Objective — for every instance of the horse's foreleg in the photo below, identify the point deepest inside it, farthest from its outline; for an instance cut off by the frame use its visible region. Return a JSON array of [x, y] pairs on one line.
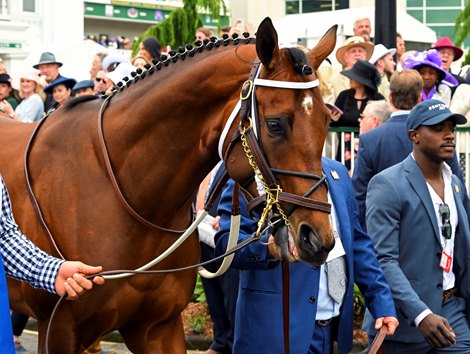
[[161, 338], [61, 339]]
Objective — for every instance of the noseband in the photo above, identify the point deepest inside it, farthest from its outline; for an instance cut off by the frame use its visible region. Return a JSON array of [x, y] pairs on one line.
[[252, 146]]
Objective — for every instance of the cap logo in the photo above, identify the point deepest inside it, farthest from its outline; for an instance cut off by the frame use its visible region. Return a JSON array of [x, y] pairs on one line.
[[439, 106]]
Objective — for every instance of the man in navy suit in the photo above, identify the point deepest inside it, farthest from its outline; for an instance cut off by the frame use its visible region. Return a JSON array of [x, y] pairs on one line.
[[419, 226], [316, 318], [388, 144]]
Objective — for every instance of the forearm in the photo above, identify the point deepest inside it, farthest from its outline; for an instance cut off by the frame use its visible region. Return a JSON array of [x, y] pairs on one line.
[[26, 262]]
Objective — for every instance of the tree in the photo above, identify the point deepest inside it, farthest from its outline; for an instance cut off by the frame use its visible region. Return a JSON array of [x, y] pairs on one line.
[[180, 26], [462, 29]]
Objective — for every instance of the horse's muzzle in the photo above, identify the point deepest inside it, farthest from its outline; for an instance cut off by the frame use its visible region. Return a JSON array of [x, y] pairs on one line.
[[311, 248]]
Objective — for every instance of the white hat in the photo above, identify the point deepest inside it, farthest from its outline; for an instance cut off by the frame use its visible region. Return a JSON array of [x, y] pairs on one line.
[[122, 70], [113, 58], [379, 52]]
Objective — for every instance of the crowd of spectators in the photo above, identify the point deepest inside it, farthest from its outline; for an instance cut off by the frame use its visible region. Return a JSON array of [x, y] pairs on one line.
[[375, 90]]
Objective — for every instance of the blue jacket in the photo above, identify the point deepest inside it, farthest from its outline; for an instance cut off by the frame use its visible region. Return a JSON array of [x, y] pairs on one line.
[[258, 327], [402, 224], [6, 334]]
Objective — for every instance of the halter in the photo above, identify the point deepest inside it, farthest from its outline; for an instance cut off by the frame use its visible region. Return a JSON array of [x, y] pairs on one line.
[[265, 174]]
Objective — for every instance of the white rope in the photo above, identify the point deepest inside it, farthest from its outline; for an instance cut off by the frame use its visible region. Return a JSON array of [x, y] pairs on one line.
[[165, 254], [232, 242]]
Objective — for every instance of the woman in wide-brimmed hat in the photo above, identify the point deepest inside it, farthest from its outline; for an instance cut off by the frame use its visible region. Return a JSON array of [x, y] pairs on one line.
[[31, 107], [437, 81], [448, 53], [61, 90], [364, 80]]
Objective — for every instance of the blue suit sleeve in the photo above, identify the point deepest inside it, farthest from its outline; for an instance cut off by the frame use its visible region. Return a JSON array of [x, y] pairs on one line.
[[362, 174], [253, 256]]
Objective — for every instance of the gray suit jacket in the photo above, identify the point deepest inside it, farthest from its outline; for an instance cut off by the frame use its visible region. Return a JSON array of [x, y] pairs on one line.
[[402, 224]]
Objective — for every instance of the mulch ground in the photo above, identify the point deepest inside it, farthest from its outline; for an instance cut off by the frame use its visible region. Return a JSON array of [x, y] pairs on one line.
[[197, 322]]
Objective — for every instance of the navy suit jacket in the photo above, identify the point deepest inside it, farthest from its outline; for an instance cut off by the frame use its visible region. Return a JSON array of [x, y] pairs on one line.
[[380, 148], [259, 326], [402, 224]]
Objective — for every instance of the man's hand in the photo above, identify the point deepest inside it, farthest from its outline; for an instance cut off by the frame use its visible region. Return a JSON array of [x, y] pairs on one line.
[[437, 331], [215, 223], [390, 322], [71, 279]]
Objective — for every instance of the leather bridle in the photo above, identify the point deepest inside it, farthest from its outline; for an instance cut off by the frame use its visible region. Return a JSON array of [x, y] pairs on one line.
[[247, 133]]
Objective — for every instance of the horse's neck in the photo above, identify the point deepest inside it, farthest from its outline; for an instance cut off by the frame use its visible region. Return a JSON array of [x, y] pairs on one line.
[[169, 127]]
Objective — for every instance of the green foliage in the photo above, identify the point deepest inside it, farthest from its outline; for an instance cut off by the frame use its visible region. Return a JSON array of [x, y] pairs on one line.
[[358, 301], [199, 295], [180, 26], [462, 29], [196, 324]]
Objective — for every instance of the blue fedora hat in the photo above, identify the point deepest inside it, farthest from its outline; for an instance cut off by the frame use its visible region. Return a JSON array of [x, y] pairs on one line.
[[67, 81], [83, 85]]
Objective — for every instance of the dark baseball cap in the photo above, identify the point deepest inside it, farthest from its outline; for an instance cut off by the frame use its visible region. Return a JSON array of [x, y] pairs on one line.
[[432, 112]]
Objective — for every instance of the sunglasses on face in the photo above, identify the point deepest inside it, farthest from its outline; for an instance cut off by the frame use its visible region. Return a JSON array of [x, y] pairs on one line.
[[446, 228], [100, 79]]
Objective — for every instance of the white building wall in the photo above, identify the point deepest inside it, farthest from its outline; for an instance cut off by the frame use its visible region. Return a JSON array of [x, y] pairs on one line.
[[54, 23], [255, 11]]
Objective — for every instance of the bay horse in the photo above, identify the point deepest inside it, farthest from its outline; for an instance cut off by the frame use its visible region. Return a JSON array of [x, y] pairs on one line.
[[162, 131]]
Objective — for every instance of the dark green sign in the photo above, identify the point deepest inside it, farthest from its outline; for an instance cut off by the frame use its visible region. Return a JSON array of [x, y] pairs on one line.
[[10, 45], [142, 12]]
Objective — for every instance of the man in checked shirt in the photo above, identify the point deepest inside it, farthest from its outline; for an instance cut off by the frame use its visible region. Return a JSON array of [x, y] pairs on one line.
[[22, 260]]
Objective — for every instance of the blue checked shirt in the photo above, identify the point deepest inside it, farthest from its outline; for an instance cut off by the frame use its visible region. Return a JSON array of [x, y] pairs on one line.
[[21, 258]]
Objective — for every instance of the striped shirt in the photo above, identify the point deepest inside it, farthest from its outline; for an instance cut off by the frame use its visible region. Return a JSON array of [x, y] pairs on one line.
[[21, 258]]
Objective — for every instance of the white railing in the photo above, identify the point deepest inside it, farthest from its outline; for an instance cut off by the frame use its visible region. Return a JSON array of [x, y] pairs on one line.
[[338, 137]]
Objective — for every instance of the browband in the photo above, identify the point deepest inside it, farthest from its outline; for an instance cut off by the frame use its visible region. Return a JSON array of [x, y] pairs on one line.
[[287, 84]]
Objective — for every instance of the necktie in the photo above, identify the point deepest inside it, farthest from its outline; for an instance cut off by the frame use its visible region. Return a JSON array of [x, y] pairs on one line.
[[336, 279]]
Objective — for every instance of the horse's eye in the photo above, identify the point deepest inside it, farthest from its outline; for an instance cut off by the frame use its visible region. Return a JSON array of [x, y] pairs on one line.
[[274, 126]]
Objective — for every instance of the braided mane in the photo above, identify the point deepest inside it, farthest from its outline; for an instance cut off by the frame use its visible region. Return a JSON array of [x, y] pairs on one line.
[[187, 51]]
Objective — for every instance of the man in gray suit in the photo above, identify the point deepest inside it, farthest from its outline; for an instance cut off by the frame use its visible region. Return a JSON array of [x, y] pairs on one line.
[[417, 221], [388, 144]]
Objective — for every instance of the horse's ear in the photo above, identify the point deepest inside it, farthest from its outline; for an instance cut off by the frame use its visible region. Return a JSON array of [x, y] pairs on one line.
[[267, 43], [323, 48]]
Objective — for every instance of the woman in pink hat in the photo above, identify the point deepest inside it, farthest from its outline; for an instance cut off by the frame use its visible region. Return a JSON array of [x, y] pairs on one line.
[[32, 106]]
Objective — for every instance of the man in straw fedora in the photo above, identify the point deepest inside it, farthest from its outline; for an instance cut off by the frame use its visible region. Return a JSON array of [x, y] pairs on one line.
[[353, 49]]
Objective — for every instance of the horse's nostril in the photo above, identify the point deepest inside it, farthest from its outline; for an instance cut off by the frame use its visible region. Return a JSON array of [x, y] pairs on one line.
[[311, 247], [308, 239]]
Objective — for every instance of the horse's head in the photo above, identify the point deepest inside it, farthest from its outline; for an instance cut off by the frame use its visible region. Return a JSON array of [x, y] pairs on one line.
[[290, 121]]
